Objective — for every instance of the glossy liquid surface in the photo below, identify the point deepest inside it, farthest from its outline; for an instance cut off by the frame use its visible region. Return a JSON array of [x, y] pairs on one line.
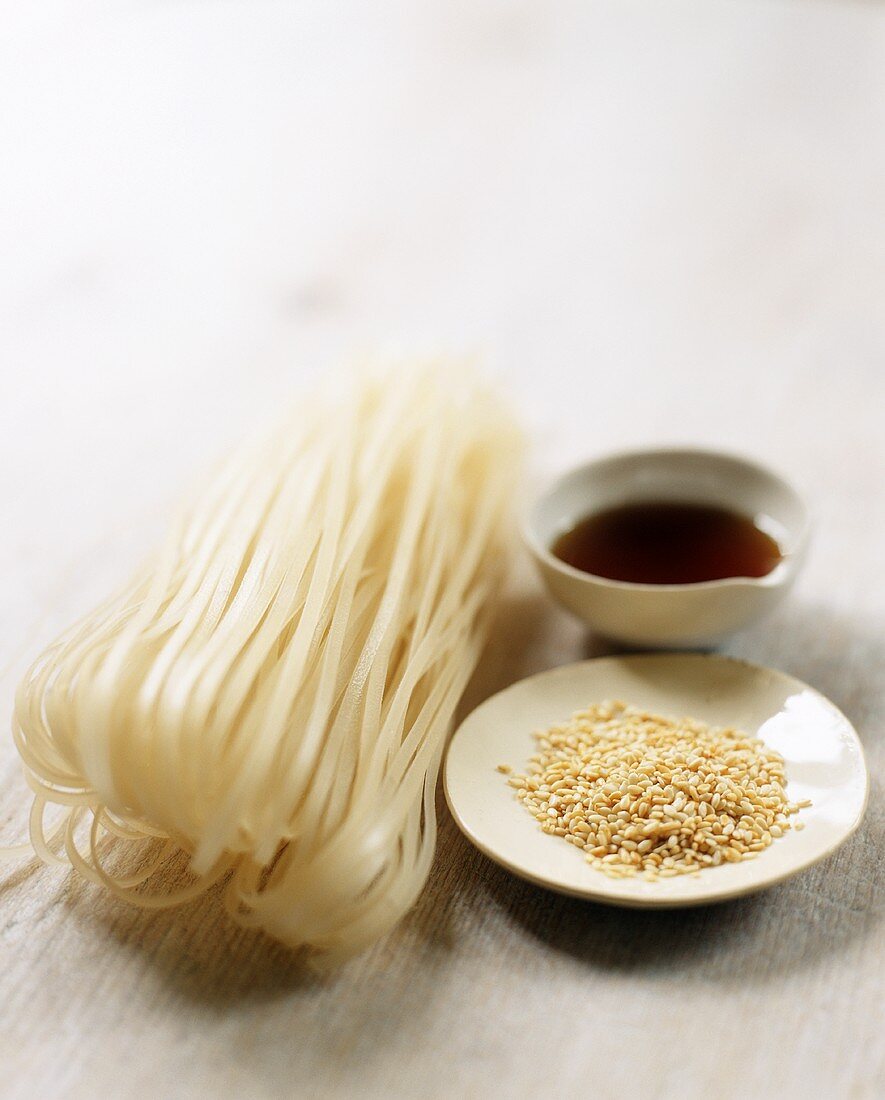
[[668, 543]]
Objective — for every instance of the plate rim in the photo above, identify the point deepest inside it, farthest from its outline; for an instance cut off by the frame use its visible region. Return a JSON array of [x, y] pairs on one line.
[[603, 898]]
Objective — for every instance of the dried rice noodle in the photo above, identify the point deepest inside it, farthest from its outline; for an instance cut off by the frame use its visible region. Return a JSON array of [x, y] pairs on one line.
[[271, 695]]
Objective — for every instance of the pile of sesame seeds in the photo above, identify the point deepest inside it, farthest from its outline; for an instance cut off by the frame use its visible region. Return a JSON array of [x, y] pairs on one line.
[[659, 796]]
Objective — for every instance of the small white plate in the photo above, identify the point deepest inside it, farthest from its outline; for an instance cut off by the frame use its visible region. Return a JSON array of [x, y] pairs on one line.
[[823, 756]]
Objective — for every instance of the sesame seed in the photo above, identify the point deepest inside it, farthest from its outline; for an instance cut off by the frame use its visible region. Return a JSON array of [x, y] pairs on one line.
[[641, 793]]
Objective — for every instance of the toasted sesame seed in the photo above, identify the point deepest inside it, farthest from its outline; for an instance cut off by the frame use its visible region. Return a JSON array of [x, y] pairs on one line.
[[641, 793]]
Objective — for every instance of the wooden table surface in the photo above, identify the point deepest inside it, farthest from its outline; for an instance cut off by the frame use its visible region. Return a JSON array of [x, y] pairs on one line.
[[658, 222]]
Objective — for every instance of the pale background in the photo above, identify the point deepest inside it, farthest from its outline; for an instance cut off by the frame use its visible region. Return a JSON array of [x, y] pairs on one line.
[[658, 221]]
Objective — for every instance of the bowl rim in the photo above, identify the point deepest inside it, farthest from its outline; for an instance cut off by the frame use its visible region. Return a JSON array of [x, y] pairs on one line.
[[781, 573]]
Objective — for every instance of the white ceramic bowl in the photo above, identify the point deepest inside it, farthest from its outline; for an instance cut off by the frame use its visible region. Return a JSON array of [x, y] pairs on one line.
[[669, 615]]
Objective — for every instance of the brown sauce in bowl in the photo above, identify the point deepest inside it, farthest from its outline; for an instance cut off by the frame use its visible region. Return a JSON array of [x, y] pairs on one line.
[[657, 542]]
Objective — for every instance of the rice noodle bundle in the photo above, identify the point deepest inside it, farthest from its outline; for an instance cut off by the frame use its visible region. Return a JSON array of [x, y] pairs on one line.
[[272, 694]]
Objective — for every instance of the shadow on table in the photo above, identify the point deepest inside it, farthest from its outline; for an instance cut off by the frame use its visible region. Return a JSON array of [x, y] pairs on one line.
[[799, 923], [527, 636], [196, 949]]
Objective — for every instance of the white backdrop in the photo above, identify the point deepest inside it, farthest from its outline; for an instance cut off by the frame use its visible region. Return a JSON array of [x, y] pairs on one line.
[[656, 221]]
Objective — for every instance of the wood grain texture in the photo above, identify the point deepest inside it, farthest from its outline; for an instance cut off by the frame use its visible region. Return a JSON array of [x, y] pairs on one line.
[[666, 223]]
